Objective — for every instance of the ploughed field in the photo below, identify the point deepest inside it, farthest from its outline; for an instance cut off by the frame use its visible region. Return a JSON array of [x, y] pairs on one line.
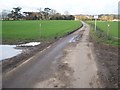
[[32, 30]]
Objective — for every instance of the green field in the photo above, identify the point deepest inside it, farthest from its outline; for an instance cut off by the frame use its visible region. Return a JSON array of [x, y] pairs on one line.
[[101, 25], [102, 28], [14, 31], [113, 27]]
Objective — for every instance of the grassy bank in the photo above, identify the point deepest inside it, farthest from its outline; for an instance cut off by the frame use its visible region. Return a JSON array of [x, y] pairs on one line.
[[100, 35]]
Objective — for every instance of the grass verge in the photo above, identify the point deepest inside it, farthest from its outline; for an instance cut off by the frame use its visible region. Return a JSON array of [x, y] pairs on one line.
[[99, 36]]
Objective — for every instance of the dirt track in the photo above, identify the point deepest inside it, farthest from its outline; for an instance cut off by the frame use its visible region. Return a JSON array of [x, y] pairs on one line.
[[77, 68], [81, 60], [65, 64]]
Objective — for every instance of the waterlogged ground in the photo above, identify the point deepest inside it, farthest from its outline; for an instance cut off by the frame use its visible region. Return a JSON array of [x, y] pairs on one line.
[[8, 51]]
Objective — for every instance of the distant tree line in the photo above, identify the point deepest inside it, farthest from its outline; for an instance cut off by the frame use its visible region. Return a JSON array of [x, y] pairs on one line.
[[101, 17], [45, 14]]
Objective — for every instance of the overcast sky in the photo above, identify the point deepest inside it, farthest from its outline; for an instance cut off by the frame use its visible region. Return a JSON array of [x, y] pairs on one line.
[[72, 6]]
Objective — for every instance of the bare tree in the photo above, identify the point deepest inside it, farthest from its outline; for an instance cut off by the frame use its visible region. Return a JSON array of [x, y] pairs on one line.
[[5, 14], [47, 13], [15, 13], [53, 12], [41, 14], [66, 13]]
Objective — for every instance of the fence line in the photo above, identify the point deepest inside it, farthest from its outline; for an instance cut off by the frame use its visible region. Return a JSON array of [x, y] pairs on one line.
[[102, 31]]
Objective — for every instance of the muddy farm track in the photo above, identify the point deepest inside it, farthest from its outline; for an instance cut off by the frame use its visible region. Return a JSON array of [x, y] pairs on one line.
[[71, 62]]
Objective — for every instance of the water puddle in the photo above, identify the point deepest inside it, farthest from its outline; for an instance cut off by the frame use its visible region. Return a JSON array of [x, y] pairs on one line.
[[8, 51], [74, 39]]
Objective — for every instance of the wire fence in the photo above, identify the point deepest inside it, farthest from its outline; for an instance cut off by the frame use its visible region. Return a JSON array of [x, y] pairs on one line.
[[100, 36]]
